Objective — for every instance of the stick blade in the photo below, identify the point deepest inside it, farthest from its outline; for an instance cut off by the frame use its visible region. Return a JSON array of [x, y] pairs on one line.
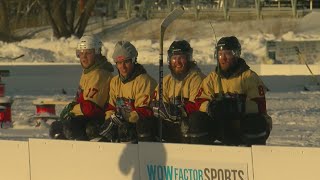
[[312, 87], [172, 16], [18, 57]]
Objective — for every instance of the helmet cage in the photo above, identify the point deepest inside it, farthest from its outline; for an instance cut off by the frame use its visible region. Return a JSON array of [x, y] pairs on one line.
[[179, 52], [235, 52]]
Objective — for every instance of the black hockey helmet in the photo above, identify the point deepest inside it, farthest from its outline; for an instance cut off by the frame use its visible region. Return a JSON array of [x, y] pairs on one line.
[[180, 47], [229, 43]]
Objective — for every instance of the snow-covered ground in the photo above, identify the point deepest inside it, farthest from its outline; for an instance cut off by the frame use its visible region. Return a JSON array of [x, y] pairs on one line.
[[295, 113], [145, 36]]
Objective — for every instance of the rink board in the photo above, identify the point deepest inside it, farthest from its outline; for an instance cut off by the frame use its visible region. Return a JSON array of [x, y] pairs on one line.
[[183, 161], [65, 160], [279, 163], [14, 160], [41, 159]]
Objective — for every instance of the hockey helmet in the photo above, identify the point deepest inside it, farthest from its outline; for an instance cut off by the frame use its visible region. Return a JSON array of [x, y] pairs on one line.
[[89, 42], [180, 47], [124, 50], [229, 43]]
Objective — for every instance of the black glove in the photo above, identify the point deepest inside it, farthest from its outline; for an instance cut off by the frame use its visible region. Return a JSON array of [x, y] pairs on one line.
[[117, 120], [108, 130], [65, 113], [126, 131], [214, 107], [115, 128], [226, 109], [164, 114]]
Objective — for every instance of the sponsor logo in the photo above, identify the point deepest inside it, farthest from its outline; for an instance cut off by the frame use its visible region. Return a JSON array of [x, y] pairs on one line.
[[160, 172]]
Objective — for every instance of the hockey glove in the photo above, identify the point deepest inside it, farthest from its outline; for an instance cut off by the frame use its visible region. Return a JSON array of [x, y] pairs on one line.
[[112, 128], [126, 131], [66, 113], [108, 130], [226, 109], [165, 115], [117, 120]]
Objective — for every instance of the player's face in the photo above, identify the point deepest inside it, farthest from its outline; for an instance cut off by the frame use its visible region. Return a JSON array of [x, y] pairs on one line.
[[226, 59], [178, 63], [125, 67], [87, 58]]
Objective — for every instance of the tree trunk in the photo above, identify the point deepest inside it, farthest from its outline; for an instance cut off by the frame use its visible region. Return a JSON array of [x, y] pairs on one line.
[[62, 13], [84, 17], [4, 22], [46, 6], [71, 12], [60, 17]]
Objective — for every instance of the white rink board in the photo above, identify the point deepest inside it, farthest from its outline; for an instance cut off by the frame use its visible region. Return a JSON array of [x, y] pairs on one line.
[[80, 160], [285, 69], [14, 160], [285, 163], [177, 161]]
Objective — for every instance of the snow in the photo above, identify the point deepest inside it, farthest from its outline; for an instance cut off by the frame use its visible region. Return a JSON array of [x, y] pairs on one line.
[[50, 66], [43, 48]]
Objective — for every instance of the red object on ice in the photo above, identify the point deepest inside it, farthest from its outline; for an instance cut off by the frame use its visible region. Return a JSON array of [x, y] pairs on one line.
[[46, 108], [5, 112]]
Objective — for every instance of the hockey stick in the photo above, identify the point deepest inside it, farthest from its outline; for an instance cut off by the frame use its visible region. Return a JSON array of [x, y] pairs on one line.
[[220, 94], [12, 58], [165, 23], [303, 60]]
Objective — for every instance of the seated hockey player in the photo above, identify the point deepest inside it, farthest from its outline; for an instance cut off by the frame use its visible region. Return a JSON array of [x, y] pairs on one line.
[[128, 115], [234, 96], [80, 120], [180, 87]]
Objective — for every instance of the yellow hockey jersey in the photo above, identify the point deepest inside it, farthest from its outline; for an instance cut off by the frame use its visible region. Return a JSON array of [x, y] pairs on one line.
[[131, 98], [245, 83], [182, 91], [93, 91]]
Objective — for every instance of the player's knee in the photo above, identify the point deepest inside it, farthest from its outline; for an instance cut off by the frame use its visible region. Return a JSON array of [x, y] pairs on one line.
[[196, 129], [146, 129], [56, 130], [92, 130], [255, 129], [74, 129]]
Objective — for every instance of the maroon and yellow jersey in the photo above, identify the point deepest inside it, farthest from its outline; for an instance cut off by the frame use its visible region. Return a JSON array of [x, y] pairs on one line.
[[246, 84], [93, 91], [131, 98], [182, 91]]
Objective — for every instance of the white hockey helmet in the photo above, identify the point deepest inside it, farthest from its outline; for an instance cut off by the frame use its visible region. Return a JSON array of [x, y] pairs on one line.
[[89, 42]]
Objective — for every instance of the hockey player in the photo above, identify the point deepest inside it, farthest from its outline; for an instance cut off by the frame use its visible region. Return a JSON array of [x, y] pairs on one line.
[[234, 96], [180, 88], [128, 115], [81, 119]]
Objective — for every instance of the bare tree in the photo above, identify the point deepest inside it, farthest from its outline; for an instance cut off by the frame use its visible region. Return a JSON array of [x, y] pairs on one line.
[[4, 22], [63, 18]]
